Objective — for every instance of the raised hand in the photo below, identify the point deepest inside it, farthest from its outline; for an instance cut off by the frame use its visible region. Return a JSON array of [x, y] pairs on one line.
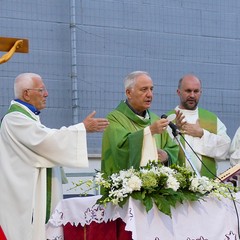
[[95, 124], [159, 126], [180, 119]]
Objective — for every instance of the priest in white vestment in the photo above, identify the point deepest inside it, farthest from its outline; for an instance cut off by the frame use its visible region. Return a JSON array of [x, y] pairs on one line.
[[28, 149], [234, 151], [206, 135]]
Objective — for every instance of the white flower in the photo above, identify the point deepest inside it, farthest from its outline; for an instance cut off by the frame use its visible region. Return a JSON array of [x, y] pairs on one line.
[[117, 194], [202, 185], [155, 179], [126, 173], [99, 178], [194, 184], [134, 183], [166, 170], [115, 201], [173, 183]]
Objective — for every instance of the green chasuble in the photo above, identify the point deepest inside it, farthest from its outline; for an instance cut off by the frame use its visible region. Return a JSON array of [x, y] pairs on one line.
[[123, 140], [208, 121]]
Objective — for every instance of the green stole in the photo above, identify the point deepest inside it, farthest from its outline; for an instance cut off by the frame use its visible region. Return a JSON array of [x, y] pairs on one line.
[[121, 144], [16, 108], [208, 121]]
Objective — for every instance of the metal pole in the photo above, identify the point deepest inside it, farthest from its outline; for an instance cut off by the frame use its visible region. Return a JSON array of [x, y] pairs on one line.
[[75, 99], [188, 158]]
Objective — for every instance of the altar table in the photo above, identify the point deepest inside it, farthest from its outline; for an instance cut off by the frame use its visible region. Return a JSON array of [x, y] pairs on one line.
[[81, 218]]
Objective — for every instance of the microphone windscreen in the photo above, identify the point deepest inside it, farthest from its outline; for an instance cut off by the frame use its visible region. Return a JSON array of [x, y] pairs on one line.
[[170, 118]]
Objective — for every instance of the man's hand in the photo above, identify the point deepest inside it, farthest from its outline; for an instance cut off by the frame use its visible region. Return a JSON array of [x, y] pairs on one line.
[[159, 126], [192, 129], [162, 156], [95, 124], [180, 119]]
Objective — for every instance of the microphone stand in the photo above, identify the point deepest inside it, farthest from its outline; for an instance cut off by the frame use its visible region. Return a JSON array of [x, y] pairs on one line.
[[175, 133]]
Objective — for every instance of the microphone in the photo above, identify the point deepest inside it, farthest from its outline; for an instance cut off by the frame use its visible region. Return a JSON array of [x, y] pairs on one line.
[[175, 130]]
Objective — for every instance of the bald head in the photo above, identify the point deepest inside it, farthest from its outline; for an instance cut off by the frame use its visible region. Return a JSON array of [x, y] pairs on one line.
[[189, 91], [189, 78]]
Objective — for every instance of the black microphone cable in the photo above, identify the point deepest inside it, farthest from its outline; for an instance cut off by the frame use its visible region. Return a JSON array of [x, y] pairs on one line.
[[234, 202], [199, 157], [175, 132]]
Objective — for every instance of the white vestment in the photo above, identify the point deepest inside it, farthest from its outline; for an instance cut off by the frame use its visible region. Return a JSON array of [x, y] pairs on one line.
[[234, 151], [27, 149], [149, 149], [212, 145]]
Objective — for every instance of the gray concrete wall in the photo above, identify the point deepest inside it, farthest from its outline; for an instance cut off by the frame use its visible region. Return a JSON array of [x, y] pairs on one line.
[[167, 38]]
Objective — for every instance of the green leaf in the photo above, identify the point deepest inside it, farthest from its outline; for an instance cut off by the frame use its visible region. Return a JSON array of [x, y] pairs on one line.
[[121, 204], [189, 196], [101, 200], [137, 195], [153, 187], [163, 205], [148, 203]]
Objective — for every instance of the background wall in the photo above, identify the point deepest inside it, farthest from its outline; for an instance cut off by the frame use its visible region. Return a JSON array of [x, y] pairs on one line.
[[83, 49]]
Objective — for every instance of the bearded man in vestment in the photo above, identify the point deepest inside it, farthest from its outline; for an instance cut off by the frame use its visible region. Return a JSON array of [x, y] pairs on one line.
[[205, 134], [136, 135], [30, 186]]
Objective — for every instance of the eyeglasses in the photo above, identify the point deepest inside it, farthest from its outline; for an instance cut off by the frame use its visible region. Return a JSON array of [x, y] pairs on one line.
[[40, 90]]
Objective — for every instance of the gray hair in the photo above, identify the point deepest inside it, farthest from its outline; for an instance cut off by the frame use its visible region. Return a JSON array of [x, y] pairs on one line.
[[22, 82], [130, 79]]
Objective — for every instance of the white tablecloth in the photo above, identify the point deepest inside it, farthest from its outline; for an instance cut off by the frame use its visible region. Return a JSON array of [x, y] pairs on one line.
[[210, 219]]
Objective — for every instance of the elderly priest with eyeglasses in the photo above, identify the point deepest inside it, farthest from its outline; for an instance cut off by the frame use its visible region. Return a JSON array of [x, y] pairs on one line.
[[30, 186]]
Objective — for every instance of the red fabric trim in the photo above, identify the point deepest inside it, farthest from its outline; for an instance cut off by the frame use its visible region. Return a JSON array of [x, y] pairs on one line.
[[112, 230], [2, 235]]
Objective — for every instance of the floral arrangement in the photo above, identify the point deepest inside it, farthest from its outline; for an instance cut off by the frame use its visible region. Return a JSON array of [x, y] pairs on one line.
[[164, 186], [158, 184]]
